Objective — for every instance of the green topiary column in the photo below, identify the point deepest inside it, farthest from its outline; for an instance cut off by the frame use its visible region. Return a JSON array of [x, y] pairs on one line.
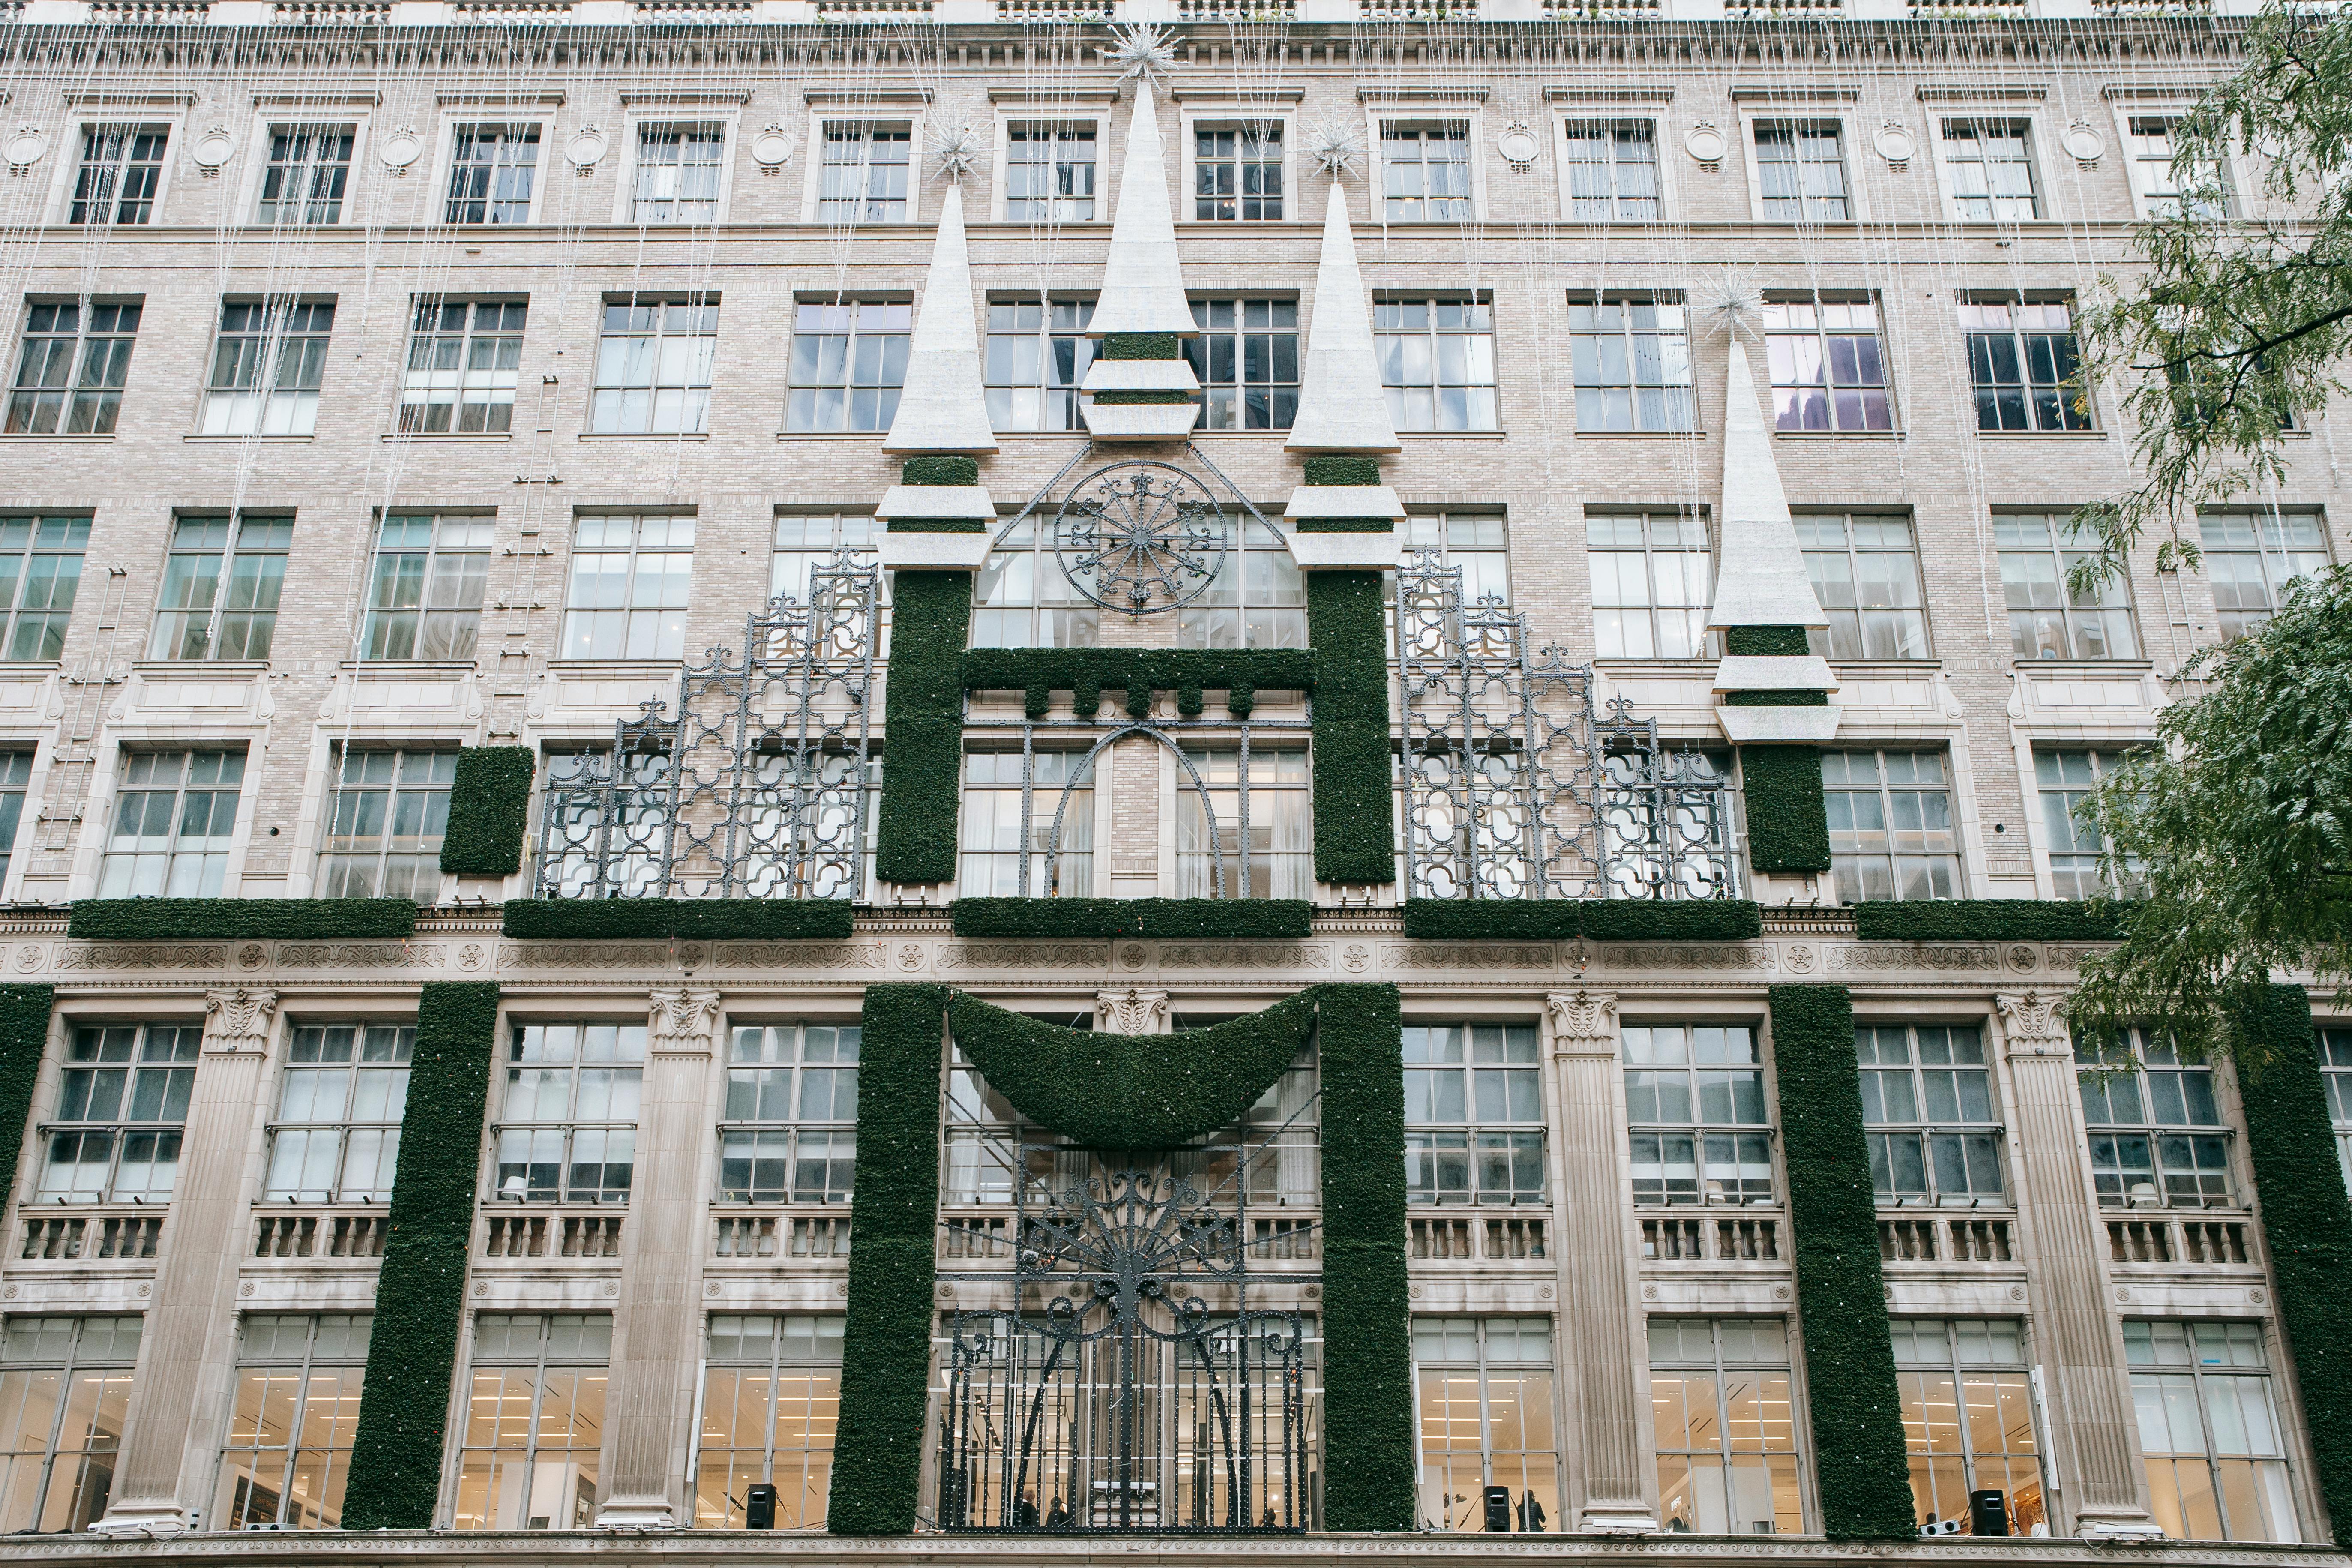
[[2306, 1221], [420, 1291], [886, 1354], [1788, 821], [923, 730], [24, 1036], [489, 812], [1850, 1386], [1355, 790], [1367, 1435]]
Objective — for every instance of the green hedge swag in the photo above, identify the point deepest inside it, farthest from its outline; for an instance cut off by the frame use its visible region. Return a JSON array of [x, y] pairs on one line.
[[1122, 1094]]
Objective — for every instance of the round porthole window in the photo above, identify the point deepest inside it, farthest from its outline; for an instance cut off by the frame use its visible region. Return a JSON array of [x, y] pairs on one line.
[[773, 147]]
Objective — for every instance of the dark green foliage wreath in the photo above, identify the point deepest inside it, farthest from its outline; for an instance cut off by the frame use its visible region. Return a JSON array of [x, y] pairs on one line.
[[1855, 1402], [663, 920], [238, 920], [489, 812]]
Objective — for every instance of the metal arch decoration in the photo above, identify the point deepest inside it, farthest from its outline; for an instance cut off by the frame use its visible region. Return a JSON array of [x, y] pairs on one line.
[[759, 785], [1141, 537], [1515, 789]]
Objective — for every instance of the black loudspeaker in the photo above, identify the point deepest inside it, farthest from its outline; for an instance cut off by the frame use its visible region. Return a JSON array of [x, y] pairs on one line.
[[760, 1506], [1988, 1513], [1498, 1508]]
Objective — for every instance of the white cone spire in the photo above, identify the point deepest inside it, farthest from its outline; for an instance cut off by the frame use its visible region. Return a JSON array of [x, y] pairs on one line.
[[1761, 581], [1143, 287], [1341, 406], [943, 407]]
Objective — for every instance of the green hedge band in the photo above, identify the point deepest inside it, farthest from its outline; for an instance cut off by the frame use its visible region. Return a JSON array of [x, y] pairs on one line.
[[1989, 920], [239, 919], [1563, 920], [1106, 919], [1354, 782], [1342, 469], [922, 766], [1766, 642], [664, 920], [24, 1038], [1788, 820], [489, 812], [957, 473], [420, 1292]]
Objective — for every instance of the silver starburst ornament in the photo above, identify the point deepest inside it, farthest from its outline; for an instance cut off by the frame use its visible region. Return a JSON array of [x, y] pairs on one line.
[[1335, 149], [954, 149], [1731, 302], [1140, 49]]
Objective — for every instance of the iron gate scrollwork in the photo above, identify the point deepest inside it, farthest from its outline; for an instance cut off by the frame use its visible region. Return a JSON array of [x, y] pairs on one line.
[[759, 785], [1110, 1396]]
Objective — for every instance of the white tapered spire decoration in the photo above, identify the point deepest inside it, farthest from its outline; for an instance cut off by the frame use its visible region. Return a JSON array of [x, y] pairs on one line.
[[1342, 404], [1761, 581], [943, 407], [1143, 286]]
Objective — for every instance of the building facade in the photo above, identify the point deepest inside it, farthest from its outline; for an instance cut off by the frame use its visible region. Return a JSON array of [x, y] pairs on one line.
[[1677, 399]]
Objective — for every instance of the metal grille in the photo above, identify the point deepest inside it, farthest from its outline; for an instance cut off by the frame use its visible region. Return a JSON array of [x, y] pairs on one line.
[[759, 786], [1513, 789]]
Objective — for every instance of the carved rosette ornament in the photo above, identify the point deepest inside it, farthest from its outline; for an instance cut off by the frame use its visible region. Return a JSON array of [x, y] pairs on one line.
[[1583, 1023], [2034, 1025], [1132, 1012], [240, 1020], [682, 1020]]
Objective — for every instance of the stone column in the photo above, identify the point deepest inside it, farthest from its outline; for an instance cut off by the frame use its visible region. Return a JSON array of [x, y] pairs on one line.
[[187, 1346], [658, 1323], [2078, 1341], [1594, 1244]]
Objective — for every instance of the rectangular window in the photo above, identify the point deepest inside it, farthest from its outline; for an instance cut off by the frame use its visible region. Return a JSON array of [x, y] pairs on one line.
[[1427, 170], [788, 1133], [2065, 780], [1694, 1102], [2251, 556], [1257, 600], [866, 174], [2047, 619], [1726, 1427], [462, 360], [15, 773], [2025, 364], [424, 593], [65, 1389], [175, 817], [1485, 1411], [221, 587], [629, 581], [120, 171], [806, 541], [1891, 827], [290, 1434], [1631, 360], [2335, 1062], [653, 367], [583, 853], [1865, 573], [849, 365], [534, 1421], [983, 1137], [1037, 354], [387, 814], [1049, 172], [570, 1128], [73, 361], [1473, 541], [302, 183], [1989, 165], [336, 1138], [1280, 838], [1650, 575], [1967, 1418], [771, 1400], [491, 171], [1237, 173], [2209, 1430], [1613, 171], [2157, 1133], [678, 171], [2163, 189], [1926, 1102], [122, 1100], [1246, 358], [1437, 362], [40, 571], [1828, 364], [1060, 787], [1474, 1114], [1023, 599], [1801, 170], [266, 367]]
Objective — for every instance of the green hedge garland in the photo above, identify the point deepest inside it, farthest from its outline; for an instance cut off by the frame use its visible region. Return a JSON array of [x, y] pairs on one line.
[[1563, 919], [922, 765], [1105, 1091], [1104, 919], [1766, 642], [1087, 672], [489, 812], [24, 1036], [1354, 784], [1368, 1462], [877, 1461], [1788, 822], [954, 473], [420, 1293], [1342, 471], [1138, 345], [239, 919], [664, 920], [2306, 1220], [1989, 920], [1855, 1402]]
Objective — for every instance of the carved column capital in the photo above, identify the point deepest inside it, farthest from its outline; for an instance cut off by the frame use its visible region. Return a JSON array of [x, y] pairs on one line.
[[240, 1020], [1583, 1023], [2033, 1025], [681, 1020], [1132, 1012]]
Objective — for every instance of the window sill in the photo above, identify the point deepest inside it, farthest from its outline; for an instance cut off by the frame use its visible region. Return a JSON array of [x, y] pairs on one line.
[[2084, 666], [1839, 435], [645, 436], [205, 668], [397, 666], [614, 668], [446, 435], [878, 435], [1638, 434], [1455, 435], [289, 439], [2042, 435], [31, 436]]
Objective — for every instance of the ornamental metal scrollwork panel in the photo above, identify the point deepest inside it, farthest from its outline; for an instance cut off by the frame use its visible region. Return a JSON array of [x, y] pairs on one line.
[[759, 786], [1515, 789], [1141, 537]]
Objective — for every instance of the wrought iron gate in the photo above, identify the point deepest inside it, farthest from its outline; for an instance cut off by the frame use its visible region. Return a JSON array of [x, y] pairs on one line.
[[1111, 1396]]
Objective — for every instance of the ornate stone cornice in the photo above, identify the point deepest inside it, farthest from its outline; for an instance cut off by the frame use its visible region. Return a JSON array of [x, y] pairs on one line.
[[240, 1020]]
